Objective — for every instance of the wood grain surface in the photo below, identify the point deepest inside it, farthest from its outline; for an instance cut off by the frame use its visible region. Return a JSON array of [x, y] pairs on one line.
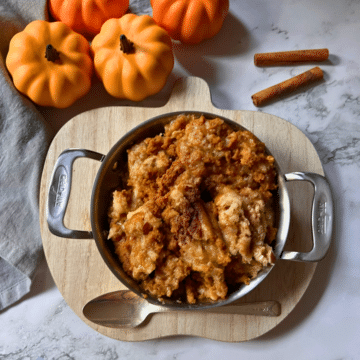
[[77, 267]]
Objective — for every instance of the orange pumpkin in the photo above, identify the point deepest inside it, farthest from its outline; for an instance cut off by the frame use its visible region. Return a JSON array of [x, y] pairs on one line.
[[190, 21], [132, 56], [50, 63], [87, 16]]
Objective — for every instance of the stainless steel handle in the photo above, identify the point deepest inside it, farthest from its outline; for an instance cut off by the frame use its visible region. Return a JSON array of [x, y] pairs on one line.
[[59, 193], [321, 217]]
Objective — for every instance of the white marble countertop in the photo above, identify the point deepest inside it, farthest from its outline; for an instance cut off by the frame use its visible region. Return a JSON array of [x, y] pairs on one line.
[[326, 322]]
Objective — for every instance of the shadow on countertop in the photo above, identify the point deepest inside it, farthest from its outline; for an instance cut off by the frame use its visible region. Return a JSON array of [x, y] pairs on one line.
[[316, 289], [42, 283]]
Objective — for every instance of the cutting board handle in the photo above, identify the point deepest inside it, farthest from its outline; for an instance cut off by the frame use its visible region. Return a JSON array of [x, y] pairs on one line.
[[190, 93], [59, 193]]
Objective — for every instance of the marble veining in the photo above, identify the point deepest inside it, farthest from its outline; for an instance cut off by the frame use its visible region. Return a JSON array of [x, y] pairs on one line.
[[278, 31], [326, 323]]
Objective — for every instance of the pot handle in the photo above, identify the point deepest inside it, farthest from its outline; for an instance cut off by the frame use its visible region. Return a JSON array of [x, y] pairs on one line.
[[321, 217], [59, 192]]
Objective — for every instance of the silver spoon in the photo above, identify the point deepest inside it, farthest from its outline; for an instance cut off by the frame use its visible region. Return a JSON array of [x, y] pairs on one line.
[[126, 309]]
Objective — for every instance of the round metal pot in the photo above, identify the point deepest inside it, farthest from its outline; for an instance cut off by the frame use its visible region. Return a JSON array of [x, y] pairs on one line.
[[107, 180]]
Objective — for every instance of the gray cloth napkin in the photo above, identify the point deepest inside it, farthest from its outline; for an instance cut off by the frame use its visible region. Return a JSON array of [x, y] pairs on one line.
[[24, 140]]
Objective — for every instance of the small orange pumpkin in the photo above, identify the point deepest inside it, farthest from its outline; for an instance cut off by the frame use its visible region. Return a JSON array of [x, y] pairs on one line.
[[132, 56], [50, 63], [190, 21], [87, 16]]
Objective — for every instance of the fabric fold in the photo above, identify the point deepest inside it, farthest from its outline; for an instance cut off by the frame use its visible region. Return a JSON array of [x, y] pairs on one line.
[[24, 139]]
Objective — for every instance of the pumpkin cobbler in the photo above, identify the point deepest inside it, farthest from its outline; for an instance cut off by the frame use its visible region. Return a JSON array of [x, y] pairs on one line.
[[196, 217]]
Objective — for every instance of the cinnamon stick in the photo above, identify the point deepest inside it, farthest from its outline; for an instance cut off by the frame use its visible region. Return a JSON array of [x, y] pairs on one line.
[[287, 86], [290, 57]]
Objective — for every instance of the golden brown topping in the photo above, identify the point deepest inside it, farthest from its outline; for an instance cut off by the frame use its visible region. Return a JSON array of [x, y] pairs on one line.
[[196, 215]]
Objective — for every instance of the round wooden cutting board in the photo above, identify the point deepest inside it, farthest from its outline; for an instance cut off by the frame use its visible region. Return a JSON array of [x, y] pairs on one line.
[[77, 267]]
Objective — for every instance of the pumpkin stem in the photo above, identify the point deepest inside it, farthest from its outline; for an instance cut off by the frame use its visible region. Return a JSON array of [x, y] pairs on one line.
[[51, 53], [126, 45]]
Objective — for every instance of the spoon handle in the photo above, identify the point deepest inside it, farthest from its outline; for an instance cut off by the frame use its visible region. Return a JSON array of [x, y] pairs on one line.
[[262, 308]]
